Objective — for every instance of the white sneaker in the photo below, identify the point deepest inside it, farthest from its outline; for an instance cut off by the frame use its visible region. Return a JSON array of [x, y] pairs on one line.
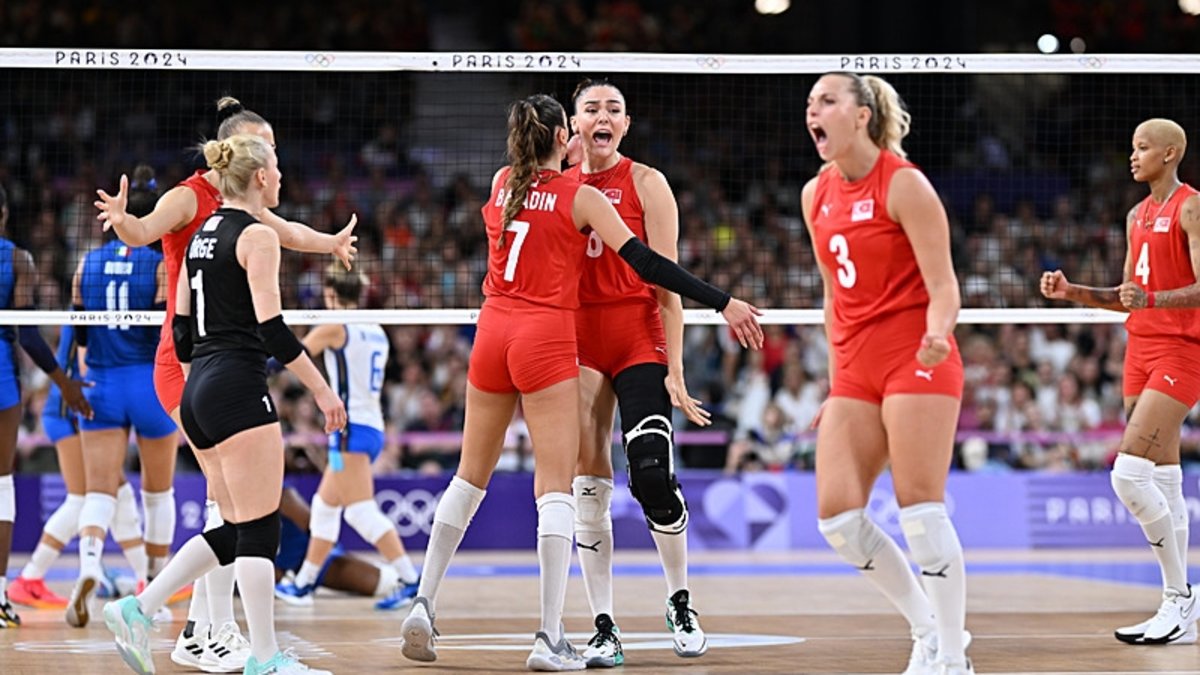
[[1175, 616], [163, 615], [227, 651], [557, 658], [418, 632], [78, 611], [964, 668], [283, 663], [689, 639], [604, 649], [189, 649], [924, 657]]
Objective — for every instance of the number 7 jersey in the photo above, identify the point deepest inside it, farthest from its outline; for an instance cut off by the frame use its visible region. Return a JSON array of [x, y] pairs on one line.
[[542, 254], [1161, 262], [873, 272]]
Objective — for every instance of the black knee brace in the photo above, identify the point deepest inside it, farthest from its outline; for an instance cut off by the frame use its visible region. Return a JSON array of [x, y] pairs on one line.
[[223, 541], [646, 427], [259, 538]]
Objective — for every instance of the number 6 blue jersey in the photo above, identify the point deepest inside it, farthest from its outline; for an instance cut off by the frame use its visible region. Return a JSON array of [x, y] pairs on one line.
[[356, 373], [117, 278]]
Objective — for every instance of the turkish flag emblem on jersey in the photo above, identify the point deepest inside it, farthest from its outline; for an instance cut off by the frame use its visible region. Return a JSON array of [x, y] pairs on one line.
[[862, 210], [1162, 224], [613, 194]]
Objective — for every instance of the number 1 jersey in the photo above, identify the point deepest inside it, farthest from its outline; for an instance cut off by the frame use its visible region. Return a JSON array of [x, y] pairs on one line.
[[222, 309], [873, 272], [542, 253], [1161, 262]]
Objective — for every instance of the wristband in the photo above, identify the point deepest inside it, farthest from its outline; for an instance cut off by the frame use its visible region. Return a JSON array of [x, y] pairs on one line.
[[1150, 300]]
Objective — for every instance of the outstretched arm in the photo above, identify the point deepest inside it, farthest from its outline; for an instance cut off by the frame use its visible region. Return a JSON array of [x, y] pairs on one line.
[[1054, 285], [174, 210], [300, 237]]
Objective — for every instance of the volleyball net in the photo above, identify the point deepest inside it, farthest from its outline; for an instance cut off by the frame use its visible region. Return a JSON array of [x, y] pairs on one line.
[[1029, 152]]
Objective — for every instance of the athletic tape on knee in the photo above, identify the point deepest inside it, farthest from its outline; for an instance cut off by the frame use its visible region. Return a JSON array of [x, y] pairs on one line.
[[556, 515], [259, 538], [593, 503], [458, 504], [223, 541], [8, 499], [160, 516], [1133, 481], [212, 515], [855, 537], [1169, 479], [63, 524], [325, 522], [368, 521], [126, 524], [931, 537], [98, 510]]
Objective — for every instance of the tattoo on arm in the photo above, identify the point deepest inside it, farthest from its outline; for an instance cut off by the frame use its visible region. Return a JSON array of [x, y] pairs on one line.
[[1104, 298]]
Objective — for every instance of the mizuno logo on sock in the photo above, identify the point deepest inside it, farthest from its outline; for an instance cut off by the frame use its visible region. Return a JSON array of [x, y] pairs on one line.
[[869, 566], [594, 548], [589, 492], [939, 573], [1157, 544]]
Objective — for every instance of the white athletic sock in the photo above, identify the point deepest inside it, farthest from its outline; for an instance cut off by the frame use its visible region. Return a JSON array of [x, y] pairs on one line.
[[388, 578], [219, 589], [307, 576], [91, 551], [136, 556], [556, 521], [98, 510], [672, 551], [194, 559], [1133, 481], [936, 550], [198, 607], [405, 569], [256, 579], [41, 560], [1169, 479], [594, 540], [454, 511]]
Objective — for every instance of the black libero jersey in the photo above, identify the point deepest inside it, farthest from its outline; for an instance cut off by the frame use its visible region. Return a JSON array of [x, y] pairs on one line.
[[222, 310]]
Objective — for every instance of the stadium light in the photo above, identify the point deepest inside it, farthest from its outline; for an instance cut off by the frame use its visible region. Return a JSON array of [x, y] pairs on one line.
[[1047, 44], [772, 6], [1190, 6]]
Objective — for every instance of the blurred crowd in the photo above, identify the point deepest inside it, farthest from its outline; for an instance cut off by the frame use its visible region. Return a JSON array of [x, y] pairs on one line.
[[1032, 182]]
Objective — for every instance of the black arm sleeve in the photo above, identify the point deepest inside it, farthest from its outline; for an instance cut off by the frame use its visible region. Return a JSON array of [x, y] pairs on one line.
[[662, 272], [181, 331], [81, 335], [37, 349], [280, 341]]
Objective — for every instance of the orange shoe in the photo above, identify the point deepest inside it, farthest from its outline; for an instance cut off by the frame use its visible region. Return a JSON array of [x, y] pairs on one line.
[[33, 593], [180, 595]]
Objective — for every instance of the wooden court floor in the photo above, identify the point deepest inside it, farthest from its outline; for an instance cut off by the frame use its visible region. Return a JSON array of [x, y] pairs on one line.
[[764, 613]]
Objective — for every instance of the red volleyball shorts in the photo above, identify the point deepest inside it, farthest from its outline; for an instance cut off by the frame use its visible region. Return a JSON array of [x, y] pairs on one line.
[[883, 361], [522, 346], [1168, 364], [617, 335], [168, 377]]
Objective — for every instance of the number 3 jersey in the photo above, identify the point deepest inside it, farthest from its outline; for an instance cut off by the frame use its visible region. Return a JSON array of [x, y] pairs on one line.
[[1159, 246], [222, 309], [542, 252], [356, 372], [873, 272], [117, 278]]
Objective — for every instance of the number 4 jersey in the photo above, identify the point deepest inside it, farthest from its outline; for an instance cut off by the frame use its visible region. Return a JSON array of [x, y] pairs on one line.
[[873, 272], [1159, 247], [222, 310], [539, 255]]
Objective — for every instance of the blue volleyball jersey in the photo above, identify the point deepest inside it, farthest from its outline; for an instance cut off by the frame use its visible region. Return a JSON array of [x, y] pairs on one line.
[[119, 278], [8, 283], [68, 361]]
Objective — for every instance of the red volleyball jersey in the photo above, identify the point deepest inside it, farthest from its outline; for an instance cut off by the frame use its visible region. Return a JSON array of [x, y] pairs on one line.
[[606, 277], [873, 271], [208, 200], [1161, 262], [542, 253]]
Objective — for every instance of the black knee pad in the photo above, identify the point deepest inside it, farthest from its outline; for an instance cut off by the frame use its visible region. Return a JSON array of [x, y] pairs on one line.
[[259, 538], [646, 428], [223, 541]]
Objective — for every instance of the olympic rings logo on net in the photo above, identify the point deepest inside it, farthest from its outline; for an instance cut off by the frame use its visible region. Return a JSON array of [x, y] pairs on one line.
[[412, 512], [710, 62], [320, 60]]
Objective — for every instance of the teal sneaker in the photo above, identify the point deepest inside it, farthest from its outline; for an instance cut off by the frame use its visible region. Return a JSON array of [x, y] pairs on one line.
[[283, 663], [132, 628]]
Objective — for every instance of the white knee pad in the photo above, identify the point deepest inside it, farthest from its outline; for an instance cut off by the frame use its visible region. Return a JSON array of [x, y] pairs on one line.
[[593, 503], [63, 524], [368, 521], [126, 524], [1169, 479], [8, 499], [98, 511], [458, 504], [855, 537], [212, 515], [556, 514], [931, 537], [160, 516], [325, 521], [1133, 481]]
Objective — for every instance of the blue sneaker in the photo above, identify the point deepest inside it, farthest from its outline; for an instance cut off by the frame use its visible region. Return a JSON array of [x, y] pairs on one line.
[[401, 597], [283, 663], [132, 628], [297, 596]]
